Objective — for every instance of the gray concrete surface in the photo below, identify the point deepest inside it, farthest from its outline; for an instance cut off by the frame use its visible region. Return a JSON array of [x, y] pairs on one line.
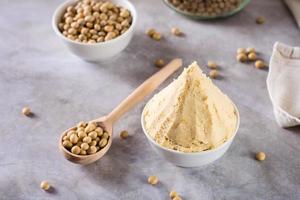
[[36, 70]]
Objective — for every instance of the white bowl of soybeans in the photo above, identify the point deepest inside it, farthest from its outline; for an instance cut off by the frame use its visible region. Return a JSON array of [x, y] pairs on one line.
[[95, 30]]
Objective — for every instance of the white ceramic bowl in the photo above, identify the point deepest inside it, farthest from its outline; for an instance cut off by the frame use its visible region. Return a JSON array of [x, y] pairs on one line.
[[96, 51], [194, 159]]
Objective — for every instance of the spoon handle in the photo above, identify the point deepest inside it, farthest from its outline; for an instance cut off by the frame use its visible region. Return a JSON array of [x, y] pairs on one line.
[[144, 89]]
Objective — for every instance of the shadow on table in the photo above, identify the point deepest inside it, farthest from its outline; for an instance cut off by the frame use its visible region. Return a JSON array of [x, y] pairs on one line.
[[125, 168], [295, 129], [139, 64], [114, 169]]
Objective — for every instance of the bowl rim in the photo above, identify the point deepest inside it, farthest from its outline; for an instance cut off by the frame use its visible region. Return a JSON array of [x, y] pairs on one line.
[[201, 17], [67, 3], [193, 153]]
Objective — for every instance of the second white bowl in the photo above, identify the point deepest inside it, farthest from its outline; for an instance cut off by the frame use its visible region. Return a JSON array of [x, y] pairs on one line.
[[194, 159], [96, 51]]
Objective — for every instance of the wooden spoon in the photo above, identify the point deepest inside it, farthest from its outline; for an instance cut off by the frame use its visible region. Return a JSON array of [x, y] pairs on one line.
[[107, 121]]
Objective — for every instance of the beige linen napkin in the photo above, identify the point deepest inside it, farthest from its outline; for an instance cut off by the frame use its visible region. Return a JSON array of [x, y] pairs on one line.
[[294, 6], [284, 84]]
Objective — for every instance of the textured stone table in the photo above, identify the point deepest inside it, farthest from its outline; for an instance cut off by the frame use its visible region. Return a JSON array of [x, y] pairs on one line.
[[61, 89]]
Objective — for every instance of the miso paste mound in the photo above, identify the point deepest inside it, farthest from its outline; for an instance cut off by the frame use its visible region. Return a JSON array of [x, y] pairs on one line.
[[191, 114]]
